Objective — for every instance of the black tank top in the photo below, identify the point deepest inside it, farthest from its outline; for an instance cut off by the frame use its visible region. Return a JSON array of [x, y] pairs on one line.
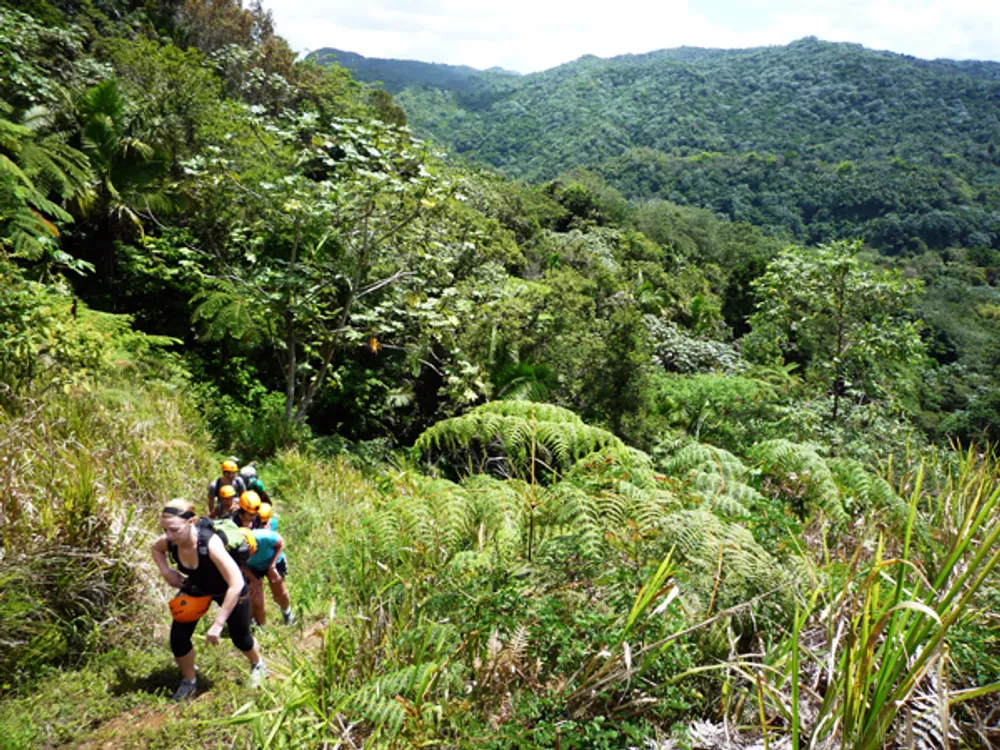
[[206, 579]]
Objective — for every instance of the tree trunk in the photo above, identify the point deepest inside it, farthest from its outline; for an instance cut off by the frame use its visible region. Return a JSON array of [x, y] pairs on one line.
[[291, 360], [838, 378]]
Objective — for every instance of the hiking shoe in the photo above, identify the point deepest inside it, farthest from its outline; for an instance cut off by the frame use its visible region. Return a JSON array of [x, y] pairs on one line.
[[289, 617], [186, 690], [258, 673]]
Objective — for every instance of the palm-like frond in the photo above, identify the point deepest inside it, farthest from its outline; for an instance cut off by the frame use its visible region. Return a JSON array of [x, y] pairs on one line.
[[33, 168], [516, 431], [224, 313], [802, 474]]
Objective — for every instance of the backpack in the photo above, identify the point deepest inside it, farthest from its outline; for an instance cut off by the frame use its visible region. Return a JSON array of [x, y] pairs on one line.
[[239, 542]]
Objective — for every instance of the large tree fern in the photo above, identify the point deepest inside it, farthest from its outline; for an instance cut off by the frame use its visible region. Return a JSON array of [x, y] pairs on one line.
[[514, 439], [799, 473]]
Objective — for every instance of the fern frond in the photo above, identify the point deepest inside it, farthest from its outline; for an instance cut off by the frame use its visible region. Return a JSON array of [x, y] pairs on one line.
[[704, 457], [223, 312], [541, 412], [799, 472], [701, 541], [517, 431], [726, 496], [864, 491]]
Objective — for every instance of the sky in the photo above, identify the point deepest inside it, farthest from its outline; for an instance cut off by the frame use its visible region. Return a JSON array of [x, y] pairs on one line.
[[531, 35]]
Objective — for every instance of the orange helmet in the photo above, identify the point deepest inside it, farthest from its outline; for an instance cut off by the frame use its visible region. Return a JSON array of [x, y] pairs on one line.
[[187, 608], [250, 502], [226, 492], [230, 465], [265, 512]]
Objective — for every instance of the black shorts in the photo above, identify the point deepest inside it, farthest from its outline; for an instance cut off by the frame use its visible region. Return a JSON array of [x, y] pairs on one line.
[[281, 567], [238, 622]]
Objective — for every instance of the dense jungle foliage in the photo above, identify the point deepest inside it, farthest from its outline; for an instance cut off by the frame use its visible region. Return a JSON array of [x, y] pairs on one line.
[[396, 75], [556, 468], [820, 140]]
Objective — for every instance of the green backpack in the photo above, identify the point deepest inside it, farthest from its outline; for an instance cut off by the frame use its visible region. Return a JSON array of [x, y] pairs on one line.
[[240, 542]]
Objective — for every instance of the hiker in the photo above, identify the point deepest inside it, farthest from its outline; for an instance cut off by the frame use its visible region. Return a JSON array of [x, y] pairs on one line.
[[225, 506], [205, 572], [229, 477], [268, 518], [248, 510], [252, 481], [269, 560], [275, 576]]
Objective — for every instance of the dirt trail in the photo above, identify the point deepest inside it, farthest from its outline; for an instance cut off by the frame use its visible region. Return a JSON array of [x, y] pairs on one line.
[[137, 726]]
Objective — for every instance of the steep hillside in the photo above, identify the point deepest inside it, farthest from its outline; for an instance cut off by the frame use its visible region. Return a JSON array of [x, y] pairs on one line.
[[396, 75], [831, 101], [554, 468], [818, 141]]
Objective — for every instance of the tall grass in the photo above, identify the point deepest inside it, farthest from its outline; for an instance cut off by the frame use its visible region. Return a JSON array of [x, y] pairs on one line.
[[867, 662], [82, 473]]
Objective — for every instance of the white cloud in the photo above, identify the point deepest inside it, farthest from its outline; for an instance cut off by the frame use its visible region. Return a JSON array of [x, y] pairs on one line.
[[528, 35]]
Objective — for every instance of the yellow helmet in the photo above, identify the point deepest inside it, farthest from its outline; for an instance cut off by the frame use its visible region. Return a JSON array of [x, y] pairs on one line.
[[226, 492], [266, 511], [229, 465], [250, 502]]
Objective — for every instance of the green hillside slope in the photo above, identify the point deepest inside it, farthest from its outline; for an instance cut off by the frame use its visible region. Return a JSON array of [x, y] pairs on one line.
[[818, 140], [832, 101], [396, 75]]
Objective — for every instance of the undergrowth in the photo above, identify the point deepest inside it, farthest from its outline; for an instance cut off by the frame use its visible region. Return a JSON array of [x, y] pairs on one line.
[[583, 599], [83, 471]]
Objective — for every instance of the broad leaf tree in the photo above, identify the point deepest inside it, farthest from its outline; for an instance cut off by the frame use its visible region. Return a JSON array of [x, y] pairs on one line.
[[848, 323], [327, 247]]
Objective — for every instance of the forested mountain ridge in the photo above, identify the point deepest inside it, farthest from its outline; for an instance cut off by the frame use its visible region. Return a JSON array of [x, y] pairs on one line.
[[815, 140], [396, 75], [827, 100]]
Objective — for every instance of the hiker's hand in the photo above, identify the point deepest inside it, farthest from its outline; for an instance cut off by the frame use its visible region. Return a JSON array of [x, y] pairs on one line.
[[212, 636]]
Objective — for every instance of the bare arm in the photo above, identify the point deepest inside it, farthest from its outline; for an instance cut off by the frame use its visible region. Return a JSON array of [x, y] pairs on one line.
[[171, 576], [278, 549]]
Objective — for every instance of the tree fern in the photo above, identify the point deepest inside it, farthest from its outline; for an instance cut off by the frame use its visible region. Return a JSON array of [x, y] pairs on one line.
[[223, 313], [504, 436], [497, 511], [527, 410], [715, 476], [864, 491], [799, 473], [34, 168], [721, 560], [704, 457], [611, 495]]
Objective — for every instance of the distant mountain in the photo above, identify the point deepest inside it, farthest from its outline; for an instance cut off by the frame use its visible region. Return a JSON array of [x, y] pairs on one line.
[[396, 75], [831, 101], [815, 139]]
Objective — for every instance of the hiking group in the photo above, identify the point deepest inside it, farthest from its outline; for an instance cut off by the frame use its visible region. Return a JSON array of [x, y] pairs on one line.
[[222, 557]]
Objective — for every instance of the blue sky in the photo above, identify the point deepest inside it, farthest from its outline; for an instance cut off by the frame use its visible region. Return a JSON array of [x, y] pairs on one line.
[[530, 35]]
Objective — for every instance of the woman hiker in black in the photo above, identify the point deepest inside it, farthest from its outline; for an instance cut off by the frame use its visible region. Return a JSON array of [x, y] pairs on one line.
[[205, 571]]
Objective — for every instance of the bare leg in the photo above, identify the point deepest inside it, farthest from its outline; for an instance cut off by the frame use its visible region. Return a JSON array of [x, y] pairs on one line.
[[279, 591], [257, 606], [253, 655], [186, 664]]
